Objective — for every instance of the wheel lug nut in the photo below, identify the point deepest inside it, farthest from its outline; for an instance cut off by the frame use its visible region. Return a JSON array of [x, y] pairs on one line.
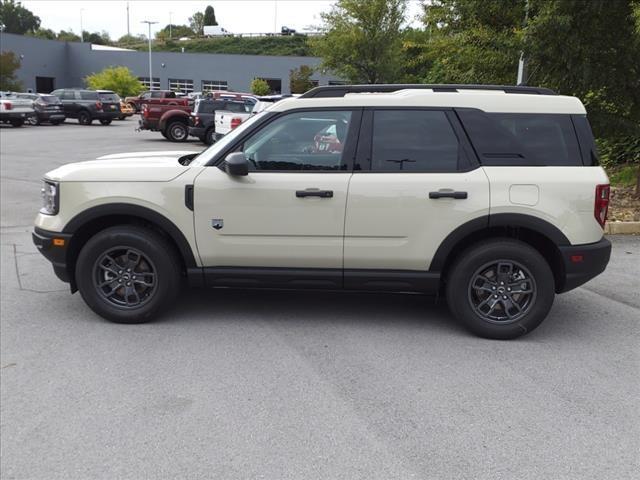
[[129, 284], [501, 283], [509, 289], [493, 288], [133, 277], [504, 297], [495, 296], [120, 272]]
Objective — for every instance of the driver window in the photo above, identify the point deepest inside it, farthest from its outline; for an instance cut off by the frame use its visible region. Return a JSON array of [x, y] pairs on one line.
[[311, 141]]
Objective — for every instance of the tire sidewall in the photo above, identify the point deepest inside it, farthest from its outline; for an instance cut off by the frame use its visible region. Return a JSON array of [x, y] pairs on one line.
[[209, 136], [84, 118], [474, 258], [149, 243], [176, 125]]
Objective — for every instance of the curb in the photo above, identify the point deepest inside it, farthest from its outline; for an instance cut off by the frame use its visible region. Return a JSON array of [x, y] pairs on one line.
[[622, 228]]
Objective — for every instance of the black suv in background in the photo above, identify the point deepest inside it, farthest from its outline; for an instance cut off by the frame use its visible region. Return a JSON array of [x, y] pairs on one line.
[[202, 120], [47, 108], [87, 106]]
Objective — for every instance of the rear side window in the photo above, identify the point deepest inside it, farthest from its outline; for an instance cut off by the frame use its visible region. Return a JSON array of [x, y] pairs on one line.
[[522, 138], [109, 97], [413, 141], [86, 95]]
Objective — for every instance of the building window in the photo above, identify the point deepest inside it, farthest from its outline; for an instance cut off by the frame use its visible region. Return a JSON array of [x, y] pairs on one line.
[[147, 84], [209, 85], [181, 85]]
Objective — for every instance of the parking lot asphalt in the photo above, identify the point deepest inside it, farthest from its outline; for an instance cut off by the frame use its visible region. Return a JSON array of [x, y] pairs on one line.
[[279, 385]]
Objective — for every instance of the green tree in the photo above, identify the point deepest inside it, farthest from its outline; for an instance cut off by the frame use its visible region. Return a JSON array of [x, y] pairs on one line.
[[300, 79], [118, 79], [46, 33], [197, 23], [69, 36], [99, 38], [260, 87], [210, 16], [177, 31], [130, 39], [362, 40], [16, 18], [9, 64]]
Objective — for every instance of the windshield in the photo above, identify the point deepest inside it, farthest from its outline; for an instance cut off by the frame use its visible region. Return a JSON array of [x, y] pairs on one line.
[[204, 157]]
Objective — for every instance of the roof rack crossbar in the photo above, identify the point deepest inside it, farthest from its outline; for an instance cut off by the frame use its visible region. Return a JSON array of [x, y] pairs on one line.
[[342, 90]]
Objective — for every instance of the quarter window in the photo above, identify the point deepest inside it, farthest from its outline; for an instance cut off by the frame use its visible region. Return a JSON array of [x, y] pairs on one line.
[[309, 141], [413, 141]]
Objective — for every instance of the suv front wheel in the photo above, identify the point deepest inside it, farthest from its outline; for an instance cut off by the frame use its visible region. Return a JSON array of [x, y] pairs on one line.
[[128, 274], [500, 288]]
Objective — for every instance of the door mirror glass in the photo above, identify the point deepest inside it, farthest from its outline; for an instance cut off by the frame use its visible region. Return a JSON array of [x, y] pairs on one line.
[[236, 164]]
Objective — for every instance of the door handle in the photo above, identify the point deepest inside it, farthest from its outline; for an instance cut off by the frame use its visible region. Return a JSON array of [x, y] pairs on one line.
[[448, 194], [314, 193]]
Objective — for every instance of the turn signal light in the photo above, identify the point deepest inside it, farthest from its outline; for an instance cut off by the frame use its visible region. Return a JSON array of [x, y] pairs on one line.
[[58, 242]]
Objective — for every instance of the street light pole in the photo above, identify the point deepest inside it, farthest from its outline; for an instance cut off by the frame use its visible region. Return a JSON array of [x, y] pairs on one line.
[[149, 23], [170, 25], [81, 30]]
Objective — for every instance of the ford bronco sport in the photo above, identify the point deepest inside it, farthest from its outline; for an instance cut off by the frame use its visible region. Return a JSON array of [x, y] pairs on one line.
[[490, 195]]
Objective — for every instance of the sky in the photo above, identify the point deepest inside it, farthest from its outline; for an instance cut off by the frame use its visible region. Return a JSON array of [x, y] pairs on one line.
[[237, 16]]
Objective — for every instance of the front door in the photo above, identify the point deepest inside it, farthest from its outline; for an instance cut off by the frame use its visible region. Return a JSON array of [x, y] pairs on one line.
[[288, 212]]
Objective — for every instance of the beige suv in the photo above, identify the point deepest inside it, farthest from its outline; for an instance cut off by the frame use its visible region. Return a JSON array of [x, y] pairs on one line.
[[489, 195]]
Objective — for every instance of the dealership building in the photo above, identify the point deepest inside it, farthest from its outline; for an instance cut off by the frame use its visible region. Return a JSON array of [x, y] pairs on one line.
[[46, 65]]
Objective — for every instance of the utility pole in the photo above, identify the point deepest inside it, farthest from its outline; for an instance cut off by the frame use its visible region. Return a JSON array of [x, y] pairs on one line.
[[275, 16], [81, 30], [522, 63], [128, 31], [170, 25], [149, 23]]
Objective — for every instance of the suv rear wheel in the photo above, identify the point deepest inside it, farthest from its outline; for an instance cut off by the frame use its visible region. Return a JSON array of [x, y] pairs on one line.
[[177, 131], [84, 118], [500, 289], [106, 121], [128, 274]]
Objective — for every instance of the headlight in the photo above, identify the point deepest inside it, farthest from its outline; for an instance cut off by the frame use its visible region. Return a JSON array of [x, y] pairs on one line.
[[50, 198]]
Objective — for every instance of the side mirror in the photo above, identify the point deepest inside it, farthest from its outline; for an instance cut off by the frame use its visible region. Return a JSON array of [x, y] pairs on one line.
[[236, 164]]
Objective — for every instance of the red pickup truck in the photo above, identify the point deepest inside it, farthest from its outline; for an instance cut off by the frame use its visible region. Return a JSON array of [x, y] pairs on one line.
[[172, 121], [155, 97]]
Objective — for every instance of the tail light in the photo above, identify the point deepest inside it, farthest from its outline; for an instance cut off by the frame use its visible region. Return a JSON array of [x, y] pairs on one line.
[[145, 111], [99, 105], [8, 106], [235, 122], [196, 120], [601, 206]]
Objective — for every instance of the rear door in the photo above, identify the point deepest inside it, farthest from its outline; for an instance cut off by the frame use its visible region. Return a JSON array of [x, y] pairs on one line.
[[415, 181], [289, 210]]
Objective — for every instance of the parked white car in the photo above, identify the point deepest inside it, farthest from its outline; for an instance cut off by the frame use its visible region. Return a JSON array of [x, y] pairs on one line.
[[15, 110], [215, 31], [489, 195]]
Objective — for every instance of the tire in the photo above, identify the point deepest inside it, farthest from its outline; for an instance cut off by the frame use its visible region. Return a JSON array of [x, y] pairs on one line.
[[33, 120], [177, 131], [492, 309], [164, 134], [84, 118], [106, 121], [209, 136], [17, 123], [56, 122], [133, 106], [111, 291]]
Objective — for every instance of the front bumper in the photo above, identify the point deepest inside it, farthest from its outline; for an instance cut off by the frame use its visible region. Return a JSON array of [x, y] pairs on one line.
[[54, 246], [583, 262]]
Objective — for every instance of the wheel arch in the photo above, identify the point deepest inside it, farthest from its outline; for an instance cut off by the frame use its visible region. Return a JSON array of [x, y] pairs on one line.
[[93, 220], [536, 232], [173, 116]]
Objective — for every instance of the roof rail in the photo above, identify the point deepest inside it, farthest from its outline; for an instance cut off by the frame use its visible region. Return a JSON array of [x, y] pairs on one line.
[[342, 90]]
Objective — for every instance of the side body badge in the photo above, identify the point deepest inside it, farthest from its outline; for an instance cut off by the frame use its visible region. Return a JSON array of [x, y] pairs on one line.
[[217, 223]]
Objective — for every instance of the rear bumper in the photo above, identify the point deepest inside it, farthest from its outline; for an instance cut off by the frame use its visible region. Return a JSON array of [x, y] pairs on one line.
[[7, 116], [197, 131], [583, 262], [145, 124], [47, 116], [107, 115], [55, 252]]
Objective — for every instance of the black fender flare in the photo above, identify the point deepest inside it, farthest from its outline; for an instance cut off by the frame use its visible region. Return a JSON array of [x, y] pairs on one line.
[[135, 211], [172, 115], [487, 222]]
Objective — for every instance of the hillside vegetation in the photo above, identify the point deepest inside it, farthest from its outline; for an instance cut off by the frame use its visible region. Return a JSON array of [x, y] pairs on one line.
[[297, 45]]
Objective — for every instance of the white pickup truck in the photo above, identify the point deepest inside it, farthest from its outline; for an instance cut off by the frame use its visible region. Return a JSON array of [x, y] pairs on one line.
[[230, 118], [14, 110]]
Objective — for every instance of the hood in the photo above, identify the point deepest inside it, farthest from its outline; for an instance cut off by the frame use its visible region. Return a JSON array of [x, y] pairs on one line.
[[124, 167]]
